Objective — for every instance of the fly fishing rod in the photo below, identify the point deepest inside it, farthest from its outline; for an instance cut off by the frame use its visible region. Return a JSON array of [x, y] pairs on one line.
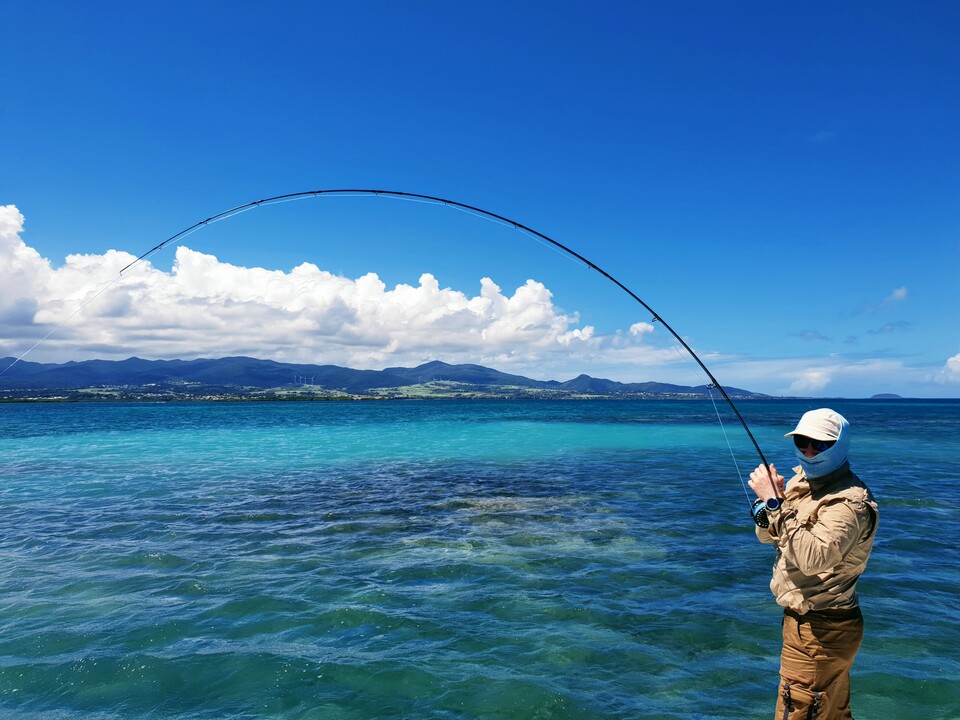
[[656, 317]]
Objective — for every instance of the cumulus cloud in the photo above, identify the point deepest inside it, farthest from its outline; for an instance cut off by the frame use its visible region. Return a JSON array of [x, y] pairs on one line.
[[810, 382], [22, 269], [205, 307], [641, 328], [951, 370]]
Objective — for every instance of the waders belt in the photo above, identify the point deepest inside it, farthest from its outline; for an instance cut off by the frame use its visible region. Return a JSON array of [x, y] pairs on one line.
[[827, 614]]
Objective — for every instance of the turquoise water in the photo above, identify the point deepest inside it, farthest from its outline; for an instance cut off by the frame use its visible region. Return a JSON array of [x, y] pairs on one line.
[[501, 560]]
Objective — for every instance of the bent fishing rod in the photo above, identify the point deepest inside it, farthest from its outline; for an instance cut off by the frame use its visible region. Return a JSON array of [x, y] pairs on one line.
[[656, 317], [486, 214]]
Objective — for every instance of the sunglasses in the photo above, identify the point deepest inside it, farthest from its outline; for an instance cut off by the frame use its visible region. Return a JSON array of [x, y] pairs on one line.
[[802, 442]]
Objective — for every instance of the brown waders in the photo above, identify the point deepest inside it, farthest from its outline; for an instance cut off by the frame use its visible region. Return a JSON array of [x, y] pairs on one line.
[[818, 651]]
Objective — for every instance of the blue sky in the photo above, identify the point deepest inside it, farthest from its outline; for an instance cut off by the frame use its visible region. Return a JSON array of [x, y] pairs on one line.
[[780, 181]]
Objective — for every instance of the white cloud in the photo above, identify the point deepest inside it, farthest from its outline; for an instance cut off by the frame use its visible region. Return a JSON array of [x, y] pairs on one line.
[[836, 371], [834, 375], [22, 269], [810, 382], [897, 295], [205, 307], [951, 370], [893, 298]]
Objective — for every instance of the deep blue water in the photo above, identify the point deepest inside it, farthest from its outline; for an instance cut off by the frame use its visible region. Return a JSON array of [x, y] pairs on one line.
[[502, 560]]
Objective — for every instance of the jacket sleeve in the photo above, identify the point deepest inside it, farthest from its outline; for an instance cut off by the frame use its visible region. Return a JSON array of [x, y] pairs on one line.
[[763, 535], [817, 546]]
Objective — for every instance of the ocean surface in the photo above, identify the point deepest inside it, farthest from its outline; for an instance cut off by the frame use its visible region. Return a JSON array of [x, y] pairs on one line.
[[452, 560]]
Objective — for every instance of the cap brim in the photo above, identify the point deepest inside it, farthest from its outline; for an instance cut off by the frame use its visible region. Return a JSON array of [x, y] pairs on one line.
[[812, 434]]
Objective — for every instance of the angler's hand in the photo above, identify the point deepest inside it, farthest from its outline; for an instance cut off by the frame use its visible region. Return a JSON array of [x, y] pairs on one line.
[[762, 482]]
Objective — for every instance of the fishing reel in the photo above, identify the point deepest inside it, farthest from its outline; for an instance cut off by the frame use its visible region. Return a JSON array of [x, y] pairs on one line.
[[761, 508], [759, 513]]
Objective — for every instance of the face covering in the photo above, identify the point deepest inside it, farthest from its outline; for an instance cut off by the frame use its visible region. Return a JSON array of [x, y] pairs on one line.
[[831, 459]]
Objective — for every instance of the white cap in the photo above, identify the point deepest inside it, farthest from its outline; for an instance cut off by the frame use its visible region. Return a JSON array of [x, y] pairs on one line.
[[823, 424]]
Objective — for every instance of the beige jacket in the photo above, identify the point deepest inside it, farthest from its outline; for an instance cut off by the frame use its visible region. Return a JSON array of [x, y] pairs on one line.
[[823, 534]]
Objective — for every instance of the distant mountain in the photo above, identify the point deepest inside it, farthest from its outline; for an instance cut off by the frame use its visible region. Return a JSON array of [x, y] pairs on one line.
[[245, 372], [472, 374], [229, 371], [598, 386]]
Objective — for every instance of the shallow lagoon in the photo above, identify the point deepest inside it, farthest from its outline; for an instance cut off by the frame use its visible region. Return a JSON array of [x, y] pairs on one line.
[[486, 559]]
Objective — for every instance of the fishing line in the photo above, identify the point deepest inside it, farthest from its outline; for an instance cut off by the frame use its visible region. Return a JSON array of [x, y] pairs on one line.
[[565, 256], [723, 428], [67, 319], [471, 209], [482, 215]]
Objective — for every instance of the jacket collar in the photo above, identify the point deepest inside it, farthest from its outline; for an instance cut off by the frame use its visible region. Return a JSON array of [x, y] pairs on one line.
[[822, 483]]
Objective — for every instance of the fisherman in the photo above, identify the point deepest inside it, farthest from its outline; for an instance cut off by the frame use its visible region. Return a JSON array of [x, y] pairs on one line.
[[822, 526]]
